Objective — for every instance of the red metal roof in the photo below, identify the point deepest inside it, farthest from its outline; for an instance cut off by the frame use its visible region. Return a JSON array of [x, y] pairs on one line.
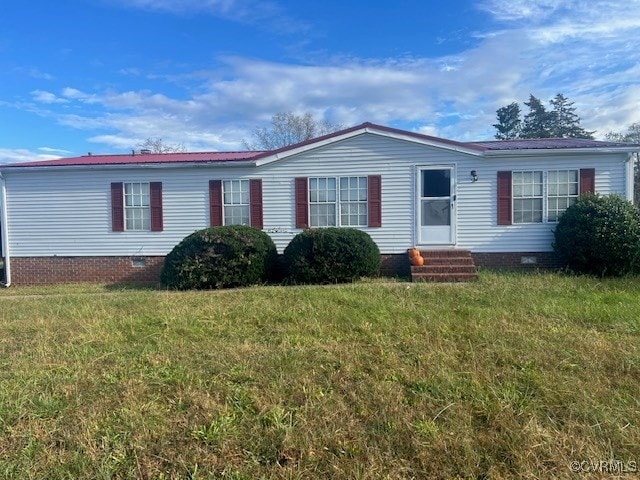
[[252, 156], [146, 158]]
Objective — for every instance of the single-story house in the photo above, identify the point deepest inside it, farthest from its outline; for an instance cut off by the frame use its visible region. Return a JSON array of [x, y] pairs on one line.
[[113, 218]]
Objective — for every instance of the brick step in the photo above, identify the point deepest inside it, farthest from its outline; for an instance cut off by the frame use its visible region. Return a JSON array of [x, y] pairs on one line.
[[448, 261], [447, 265], [443, 277], [444, 269]]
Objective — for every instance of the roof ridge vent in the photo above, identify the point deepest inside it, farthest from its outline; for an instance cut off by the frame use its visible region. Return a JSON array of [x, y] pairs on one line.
[[145, 151]]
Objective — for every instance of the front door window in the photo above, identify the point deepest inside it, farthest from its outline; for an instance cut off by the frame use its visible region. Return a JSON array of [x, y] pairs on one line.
[[435, 205]]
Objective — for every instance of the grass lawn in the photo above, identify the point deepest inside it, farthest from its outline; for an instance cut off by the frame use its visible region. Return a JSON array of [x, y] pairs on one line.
[[512, 376]]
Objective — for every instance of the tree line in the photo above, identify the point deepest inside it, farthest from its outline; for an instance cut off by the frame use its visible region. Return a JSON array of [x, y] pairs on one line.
[[561, 121]]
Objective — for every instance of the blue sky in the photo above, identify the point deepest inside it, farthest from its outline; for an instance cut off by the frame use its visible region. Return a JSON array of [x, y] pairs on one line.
[[104, 75]]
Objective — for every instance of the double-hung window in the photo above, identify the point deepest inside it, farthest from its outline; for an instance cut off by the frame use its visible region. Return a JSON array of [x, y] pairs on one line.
[[353, 201], [338, 201], [563, 191], [540, 196], [137, 206], [323, 198], [235, 194], [527, 197]]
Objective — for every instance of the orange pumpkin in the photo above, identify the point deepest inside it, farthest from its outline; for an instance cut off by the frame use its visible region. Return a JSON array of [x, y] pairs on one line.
[[413, 252], [417, 261]]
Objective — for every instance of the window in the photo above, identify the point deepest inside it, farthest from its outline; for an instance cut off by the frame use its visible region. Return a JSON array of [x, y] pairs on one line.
[[353, 201], [527, 197], [530, 198], [563, 191], [326, 200], [235, 194], [322, 202], [137, 207], [540, 196]]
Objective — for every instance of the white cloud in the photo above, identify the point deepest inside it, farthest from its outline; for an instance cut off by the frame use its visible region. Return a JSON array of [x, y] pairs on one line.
[[587, 50], [34, 72], [42, 96], [268, 15], [54, 151], [8, 155], [522, 9]]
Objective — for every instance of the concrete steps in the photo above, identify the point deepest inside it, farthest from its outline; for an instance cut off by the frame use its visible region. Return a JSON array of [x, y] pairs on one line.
[[445, 266]]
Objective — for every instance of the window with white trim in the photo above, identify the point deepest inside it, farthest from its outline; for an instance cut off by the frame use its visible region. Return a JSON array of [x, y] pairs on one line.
[[527, 197], [542, 196], [353, 201], [563, 190], [235, 202], [137, 206], [338, 201], [323, 198]]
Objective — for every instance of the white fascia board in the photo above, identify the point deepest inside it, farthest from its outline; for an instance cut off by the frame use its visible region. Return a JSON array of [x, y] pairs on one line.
[[542, 152], [127, 166], [382, 133]]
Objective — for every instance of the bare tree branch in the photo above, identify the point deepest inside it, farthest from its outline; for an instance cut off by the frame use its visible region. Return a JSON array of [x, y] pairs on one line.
[[286, 129]]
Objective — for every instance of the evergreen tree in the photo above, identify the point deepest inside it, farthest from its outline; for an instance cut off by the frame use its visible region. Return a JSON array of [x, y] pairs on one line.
[[565, 123], [509, 123], [561, 122], [537, 123]]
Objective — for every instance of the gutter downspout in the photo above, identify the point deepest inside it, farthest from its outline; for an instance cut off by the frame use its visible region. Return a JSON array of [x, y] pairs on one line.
[[5, 232]]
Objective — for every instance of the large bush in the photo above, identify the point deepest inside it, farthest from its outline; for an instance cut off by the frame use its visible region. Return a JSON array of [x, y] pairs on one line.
[[599, 235], [331, 255], [219, 257]]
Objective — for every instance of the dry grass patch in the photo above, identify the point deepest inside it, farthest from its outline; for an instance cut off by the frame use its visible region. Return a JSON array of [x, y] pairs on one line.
[[512, 376]]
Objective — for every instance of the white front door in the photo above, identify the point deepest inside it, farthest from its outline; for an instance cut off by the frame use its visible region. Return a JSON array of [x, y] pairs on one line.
[[436, 205]]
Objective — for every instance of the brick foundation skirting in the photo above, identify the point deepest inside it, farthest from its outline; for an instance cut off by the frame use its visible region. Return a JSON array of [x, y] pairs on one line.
[[514, 260], [395, 266], [116, 270], [122, 270]]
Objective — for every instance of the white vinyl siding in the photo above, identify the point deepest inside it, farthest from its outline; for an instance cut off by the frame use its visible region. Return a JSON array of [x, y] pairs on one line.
[[235, 202], [75, 218], [137, 207]]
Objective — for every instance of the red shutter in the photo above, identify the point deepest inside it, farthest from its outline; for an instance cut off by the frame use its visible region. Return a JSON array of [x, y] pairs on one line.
[[302, 202], [255, 202], [374, 198], [504, 198], [587, 180], [215, 203], [155, 200], [117, 207]]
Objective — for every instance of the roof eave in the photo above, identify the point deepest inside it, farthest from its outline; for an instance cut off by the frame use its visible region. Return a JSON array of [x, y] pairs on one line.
[[366, 129], [112, 166], [533, 152]]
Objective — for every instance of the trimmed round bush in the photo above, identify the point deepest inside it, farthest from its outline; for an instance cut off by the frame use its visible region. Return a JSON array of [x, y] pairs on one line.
[[331, 255], [599, 235], [220, 257]]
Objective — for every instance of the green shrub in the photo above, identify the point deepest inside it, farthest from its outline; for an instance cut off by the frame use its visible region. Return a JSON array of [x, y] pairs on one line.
[[599, 235], [219, 257], [331, 255]]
